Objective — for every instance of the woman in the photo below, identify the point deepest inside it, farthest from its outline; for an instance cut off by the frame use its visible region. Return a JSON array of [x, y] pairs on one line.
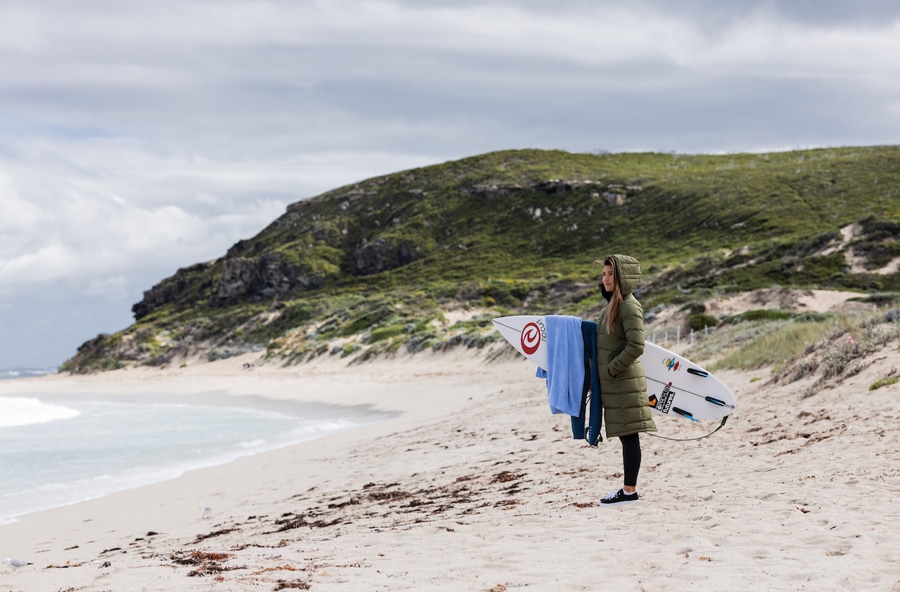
[[623, 388]]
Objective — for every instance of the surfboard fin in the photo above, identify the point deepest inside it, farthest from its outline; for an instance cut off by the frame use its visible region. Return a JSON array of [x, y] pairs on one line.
[[684, 413], [700, 373]]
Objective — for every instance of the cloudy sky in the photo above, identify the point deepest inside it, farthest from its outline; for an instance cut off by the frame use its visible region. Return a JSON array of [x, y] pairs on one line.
[[139, 137]]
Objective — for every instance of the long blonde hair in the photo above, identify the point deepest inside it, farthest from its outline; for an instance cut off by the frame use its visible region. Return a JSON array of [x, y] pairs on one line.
[[615, 300]]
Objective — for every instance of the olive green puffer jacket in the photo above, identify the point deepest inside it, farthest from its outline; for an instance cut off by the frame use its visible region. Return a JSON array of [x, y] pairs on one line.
[[623, 387]]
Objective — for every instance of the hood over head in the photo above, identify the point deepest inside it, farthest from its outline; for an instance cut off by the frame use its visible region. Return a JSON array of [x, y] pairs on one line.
[[628, 272]]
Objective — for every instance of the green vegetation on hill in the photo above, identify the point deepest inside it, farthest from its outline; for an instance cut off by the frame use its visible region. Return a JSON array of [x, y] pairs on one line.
[[374, 267]]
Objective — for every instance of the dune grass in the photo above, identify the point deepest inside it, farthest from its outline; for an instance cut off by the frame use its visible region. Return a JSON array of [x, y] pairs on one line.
[[757, 344], [828, 348]]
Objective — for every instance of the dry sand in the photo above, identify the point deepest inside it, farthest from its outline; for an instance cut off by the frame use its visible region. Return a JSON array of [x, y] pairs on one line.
[[476, 486]]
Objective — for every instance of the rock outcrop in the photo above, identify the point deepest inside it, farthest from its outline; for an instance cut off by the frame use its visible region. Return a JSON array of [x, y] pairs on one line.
[[171, 289], [381, 255], [261, 278]]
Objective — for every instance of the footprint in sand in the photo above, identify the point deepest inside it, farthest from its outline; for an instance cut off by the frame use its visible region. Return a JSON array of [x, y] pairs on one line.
[[838, 549]]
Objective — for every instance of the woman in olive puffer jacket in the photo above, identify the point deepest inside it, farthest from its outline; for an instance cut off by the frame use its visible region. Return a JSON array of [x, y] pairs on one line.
[[623, 387]]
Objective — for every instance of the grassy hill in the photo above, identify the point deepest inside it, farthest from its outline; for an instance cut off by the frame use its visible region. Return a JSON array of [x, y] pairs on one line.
[[424, 258]]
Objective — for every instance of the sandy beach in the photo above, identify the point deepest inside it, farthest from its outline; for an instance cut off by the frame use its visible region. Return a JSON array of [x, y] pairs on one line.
[[476, 486]]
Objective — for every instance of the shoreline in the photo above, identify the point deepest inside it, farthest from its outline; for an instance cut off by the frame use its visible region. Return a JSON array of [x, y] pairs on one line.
[[476, 486], [270, 389]]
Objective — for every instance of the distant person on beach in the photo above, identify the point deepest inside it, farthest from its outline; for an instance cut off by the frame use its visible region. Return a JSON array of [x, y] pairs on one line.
[[623, 387]]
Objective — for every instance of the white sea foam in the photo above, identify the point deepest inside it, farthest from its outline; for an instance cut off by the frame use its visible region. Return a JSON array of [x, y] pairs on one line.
[[20, 411]]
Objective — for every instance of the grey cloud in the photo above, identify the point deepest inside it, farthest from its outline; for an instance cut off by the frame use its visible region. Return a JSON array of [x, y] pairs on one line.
[[811, 12], [710, 12]]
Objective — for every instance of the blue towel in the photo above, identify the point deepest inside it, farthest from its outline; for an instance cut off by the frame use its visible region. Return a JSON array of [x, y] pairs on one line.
[[565, 361]]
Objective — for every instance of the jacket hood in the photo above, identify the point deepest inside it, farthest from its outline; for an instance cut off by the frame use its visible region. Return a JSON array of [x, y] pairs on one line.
[[629, 272]]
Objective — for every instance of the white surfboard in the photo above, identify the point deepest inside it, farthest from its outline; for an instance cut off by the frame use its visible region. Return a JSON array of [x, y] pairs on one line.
[[675, 385], [678, 386]]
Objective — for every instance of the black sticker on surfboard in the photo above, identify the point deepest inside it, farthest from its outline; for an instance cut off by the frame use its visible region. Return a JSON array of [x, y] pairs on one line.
[[664, 402]]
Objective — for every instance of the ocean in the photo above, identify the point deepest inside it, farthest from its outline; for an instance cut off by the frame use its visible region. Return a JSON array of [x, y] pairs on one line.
[[11, 373], [55, 452]]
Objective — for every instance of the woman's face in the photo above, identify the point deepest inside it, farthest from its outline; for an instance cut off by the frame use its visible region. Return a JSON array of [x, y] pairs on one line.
[[608, 282]]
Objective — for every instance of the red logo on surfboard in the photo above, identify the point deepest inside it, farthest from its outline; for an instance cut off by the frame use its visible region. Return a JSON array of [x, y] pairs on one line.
[[531, 338]]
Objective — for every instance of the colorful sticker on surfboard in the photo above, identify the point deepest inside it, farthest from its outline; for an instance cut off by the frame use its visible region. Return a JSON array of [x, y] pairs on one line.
[[671, 364], [531, 337]]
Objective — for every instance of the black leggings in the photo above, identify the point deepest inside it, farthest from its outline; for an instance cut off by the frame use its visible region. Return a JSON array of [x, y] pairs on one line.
[[631, 457]]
